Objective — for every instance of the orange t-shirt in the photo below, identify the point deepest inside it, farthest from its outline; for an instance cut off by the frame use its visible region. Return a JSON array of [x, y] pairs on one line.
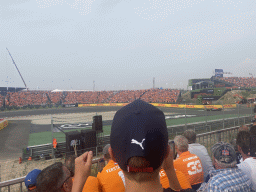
[[184, 183], [91, 184], [111, 178], [190, 165]]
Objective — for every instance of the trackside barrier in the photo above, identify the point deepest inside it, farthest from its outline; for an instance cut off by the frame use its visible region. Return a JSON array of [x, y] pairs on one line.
[[207, 139], [3, 123], [163, 105]]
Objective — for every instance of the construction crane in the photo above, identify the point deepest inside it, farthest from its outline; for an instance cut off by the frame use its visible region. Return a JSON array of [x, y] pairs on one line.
[[17, 69]]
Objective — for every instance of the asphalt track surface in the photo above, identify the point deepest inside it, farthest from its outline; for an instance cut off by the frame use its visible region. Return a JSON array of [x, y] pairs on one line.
[[16, 135]]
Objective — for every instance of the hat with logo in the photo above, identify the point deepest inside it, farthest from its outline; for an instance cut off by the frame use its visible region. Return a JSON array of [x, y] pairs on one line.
[[30, 180], [139, 130], [224, 152]]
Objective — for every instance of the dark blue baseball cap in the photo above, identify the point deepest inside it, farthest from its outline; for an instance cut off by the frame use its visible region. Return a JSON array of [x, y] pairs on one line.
[[31, 178], [139, 130]]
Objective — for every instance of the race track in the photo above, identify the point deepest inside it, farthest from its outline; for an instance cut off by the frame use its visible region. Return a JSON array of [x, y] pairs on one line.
[[16, 135]]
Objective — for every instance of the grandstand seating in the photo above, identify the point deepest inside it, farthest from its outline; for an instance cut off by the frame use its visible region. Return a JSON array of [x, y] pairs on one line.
[[55, 97], [161, 96], [246, 82], [126, 96], [26, 98], [1, 101]]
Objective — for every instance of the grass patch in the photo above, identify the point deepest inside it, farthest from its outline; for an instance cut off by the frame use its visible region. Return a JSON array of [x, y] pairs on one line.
[[171, 122], [46, 137]]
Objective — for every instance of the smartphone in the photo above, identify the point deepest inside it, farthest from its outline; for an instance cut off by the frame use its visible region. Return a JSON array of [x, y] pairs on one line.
[[172, 145], [253, 146]]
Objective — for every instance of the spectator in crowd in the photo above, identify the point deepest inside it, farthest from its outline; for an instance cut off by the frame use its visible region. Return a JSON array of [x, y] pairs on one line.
[[139, 144], [226, 176], [248, 164], [183, 180], [83, 165], [30, 180], [199, 150], [70, 164], [111, 178], [233, 143], [92, 183], [189, 164], [54, 178]]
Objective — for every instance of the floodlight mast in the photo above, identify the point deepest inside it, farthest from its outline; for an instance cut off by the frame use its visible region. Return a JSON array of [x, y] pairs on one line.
[[17, 69]]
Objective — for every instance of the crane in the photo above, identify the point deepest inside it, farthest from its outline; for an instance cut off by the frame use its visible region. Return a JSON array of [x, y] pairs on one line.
[[17, 69]]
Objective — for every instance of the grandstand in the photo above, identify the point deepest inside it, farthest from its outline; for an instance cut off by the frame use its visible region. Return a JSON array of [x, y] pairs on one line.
[[31, 99], [242, 82], [212, 89]]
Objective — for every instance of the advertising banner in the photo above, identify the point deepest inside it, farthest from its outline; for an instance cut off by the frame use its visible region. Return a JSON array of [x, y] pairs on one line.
[[3, 124], [163, 105]]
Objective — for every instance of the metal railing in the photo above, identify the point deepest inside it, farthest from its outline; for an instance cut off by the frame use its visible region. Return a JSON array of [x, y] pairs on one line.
[[210, 138]]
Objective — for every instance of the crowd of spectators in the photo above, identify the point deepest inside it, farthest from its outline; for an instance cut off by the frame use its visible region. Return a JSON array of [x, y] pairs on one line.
[[161, 96], [1, 101], [149, 163], [246, 82], [25, 98], [126, 96], [56, 97]]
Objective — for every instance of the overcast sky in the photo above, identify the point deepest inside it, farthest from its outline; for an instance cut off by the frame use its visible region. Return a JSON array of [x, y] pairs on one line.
[[123, 44]]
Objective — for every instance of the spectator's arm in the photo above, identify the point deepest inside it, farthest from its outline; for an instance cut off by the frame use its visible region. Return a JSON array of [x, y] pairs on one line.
[[82, 171], [170, 171]]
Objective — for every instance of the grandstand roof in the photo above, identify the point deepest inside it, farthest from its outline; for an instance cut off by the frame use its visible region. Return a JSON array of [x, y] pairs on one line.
[[11, 89]]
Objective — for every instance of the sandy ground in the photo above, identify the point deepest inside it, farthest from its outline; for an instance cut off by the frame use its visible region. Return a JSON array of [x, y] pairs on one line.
[[68, 118]]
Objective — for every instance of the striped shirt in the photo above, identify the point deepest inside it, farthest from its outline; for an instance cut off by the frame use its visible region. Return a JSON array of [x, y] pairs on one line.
[[227, 180]]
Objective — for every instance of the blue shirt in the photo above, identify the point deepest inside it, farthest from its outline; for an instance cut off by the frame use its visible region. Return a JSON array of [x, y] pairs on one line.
[[228, 180]]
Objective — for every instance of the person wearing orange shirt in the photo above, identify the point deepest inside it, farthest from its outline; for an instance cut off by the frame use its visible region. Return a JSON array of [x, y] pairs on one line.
[[184, 183], [111, 178], [189, 164]]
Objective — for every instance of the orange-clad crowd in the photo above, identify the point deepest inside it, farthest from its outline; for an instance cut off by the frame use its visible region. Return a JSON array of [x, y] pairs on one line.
[[160, 96], [25, 98], [1, 101], [126, 96], [241, 81]]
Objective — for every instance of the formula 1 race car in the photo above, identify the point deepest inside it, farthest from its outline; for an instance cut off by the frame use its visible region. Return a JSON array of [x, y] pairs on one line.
[[214, 109]]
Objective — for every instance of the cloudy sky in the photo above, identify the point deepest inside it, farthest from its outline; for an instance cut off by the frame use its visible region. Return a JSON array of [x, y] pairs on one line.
[[123, 44]]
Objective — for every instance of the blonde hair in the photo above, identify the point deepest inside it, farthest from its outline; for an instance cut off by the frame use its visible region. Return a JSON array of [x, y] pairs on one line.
[[141, 162]]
